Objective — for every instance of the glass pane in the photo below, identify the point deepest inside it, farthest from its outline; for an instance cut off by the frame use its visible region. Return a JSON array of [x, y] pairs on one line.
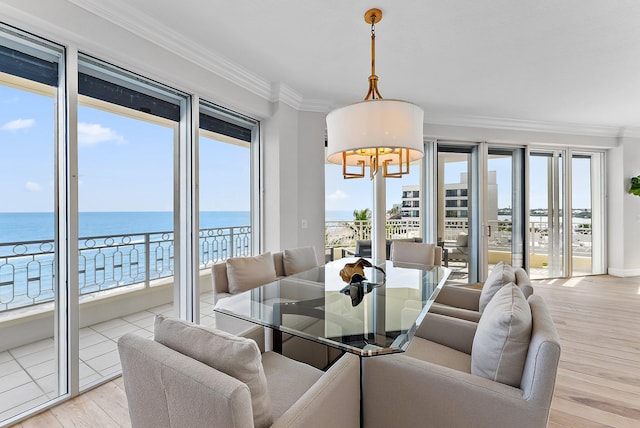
[[29, 366], [499, 194], [545, 216], [404, 210], [348, 211], [126, 217], [453, 212], [581, 215], [225, 208]]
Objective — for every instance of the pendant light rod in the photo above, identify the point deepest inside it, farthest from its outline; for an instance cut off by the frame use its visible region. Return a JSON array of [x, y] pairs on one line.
[[373, 16]]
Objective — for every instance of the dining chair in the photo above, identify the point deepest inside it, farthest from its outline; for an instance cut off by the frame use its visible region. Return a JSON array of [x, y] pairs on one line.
[[416, 253]]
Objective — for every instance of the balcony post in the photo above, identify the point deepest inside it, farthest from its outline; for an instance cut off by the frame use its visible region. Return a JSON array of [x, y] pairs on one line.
[[147, 260], [231, 241]]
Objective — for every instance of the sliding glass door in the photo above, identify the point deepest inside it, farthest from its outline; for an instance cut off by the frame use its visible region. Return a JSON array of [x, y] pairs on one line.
[[504, 206], [33, 299], [128, 137], [457, 209]]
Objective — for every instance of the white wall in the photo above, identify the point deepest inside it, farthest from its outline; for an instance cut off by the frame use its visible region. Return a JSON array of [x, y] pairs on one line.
[[311, 174], [623, 209]]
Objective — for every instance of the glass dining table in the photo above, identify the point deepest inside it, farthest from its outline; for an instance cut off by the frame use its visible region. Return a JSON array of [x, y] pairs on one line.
[[374, 315]]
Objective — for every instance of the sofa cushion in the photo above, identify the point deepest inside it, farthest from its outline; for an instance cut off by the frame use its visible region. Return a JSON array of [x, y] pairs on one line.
[[246, 273], [235, 356], [502, 338], [501, 274], [298, 260]]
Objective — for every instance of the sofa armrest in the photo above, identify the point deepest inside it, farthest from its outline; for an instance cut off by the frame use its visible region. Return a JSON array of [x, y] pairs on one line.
[[447, 397], [452, 332], [460, 297], [333, 401]]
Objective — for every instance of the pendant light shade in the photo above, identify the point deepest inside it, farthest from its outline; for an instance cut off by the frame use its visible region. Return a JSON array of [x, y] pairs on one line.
[[375, 133], [388, 125]]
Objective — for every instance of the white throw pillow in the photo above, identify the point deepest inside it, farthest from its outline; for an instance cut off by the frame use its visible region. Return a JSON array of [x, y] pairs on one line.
[[501, 275], [298, 260], [502, 338], [235, 356], [246, 273]]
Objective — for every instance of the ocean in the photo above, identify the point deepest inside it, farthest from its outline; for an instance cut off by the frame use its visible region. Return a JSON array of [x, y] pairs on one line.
[[36, 226]]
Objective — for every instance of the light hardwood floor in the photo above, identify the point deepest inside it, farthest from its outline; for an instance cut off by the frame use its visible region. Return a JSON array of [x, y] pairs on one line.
[[598, 384]]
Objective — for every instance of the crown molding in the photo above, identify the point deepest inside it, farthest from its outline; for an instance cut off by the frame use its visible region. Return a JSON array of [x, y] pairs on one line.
[[286, 94], [318, 106], [630, 132], [523, 125], [122, 15]]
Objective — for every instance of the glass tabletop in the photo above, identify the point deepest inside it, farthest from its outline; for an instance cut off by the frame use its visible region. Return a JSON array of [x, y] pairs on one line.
[[376, 316]]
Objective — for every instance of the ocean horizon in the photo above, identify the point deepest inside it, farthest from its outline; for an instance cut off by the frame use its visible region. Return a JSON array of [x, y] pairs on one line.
[[38, 226]]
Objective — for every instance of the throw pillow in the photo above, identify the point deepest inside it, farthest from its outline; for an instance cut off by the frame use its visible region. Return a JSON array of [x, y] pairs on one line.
[[235, 356], [501, 274], [246, 273], [298, 260], [502, 338]]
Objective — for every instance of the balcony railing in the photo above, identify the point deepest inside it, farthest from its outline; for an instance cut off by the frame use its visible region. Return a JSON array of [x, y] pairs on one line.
[[106, 262]]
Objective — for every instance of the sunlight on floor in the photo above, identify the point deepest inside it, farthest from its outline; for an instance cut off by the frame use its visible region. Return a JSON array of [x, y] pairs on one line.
[[572, 282]]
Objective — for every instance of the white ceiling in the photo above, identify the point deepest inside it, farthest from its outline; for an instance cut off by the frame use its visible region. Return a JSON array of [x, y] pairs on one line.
[[574, 62]]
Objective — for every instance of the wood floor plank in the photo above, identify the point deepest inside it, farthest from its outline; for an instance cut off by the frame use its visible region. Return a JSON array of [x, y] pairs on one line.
[[82, 412], [43, 420], [112, 399], [598, 382]]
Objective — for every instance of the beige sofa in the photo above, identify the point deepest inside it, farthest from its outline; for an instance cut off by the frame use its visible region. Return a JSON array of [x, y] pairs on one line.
[[432, 383], [187, 377]]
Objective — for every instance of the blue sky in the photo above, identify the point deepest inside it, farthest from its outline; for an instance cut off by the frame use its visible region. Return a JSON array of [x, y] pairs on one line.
[[127, 165], [124, 164]]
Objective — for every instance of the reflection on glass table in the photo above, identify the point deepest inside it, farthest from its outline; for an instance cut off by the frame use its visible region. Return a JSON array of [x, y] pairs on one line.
[[380, 318]]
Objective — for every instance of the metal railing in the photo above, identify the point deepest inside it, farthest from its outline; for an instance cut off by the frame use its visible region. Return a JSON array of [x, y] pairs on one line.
[[27, 269], [346, 233]]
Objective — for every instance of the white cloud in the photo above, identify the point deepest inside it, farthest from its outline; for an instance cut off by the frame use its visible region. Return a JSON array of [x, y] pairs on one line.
[[14, 125], [338, 195], [33, 186], [94, 133]]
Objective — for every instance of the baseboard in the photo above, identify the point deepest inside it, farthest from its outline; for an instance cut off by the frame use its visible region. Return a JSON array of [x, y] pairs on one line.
[[623, 273]]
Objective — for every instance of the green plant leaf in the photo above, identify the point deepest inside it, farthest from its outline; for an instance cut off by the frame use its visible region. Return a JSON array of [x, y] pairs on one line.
[[635, 186]]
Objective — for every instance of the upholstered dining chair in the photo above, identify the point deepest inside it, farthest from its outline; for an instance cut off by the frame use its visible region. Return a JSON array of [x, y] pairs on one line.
[[460, 252], [499, 372], [468, 303], [239, 274], [193, 376], [416, 253]]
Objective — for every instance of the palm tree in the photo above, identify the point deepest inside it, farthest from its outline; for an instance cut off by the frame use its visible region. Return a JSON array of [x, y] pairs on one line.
[[364, 214], [362, 226]]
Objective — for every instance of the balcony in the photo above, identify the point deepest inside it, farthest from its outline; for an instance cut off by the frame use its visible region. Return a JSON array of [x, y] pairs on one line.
[[125, 280]]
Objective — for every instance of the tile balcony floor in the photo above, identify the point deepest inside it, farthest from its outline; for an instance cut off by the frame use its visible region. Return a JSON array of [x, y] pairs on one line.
[[28, 373]]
